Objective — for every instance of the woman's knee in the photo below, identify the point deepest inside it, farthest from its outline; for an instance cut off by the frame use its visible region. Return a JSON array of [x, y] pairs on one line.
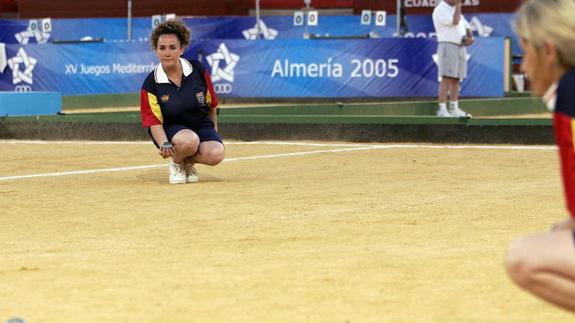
[[521, 262], [214, 156], [186, 141]]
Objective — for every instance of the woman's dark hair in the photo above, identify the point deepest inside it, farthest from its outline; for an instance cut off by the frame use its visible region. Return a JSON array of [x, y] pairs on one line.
[[171, 27]]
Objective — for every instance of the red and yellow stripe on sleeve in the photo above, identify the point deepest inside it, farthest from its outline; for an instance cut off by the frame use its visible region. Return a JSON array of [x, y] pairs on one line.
[[565, 137], [150, 109], [211, 98]]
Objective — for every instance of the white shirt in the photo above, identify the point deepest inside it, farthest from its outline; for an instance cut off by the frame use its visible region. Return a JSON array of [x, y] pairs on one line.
[[550, 96], [443, 22], [161, 76]]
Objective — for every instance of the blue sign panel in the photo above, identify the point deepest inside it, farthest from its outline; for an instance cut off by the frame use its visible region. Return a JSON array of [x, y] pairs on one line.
[[344, 68], [30, 103], [74, 69], [242, 68]]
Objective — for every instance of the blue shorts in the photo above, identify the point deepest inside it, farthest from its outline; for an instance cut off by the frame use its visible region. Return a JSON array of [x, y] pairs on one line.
[[205, 132]]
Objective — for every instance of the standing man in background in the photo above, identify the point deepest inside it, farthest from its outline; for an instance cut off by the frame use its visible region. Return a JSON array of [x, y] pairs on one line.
[[453, 35]]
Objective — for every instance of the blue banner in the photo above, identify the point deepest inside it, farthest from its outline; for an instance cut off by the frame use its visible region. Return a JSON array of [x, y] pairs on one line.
[[241, 68], [274, 27], [76, 69], [345, 68]]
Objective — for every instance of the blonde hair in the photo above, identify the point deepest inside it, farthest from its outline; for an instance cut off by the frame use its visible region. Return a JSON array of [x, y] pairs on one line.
[[549, 21]]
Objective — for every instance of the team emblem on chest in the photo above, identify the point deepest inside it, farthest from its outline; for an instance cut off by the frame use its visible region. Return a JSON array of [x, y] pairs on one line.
[[201, 98], [165, 98]]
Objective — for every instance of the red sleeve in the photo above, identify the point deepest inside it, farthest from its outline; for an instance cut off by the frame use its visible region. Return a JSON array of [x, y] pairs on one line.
[[212, 98], [564, 125], [149, 109]]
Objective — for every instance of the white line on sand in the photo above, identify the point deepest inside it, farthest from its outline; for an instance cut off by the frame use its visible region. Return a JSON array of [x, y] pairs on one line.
[[352, 147], [128, 168]]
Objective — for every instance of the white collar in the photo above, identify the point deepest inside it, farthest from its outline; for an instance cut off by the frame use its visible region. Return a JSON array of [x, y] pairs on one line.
[[550, 96], [161, 77]]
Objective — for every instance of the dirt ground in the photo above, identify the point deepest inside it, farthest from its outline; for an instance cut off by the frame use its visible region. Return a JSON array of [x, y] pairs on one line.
[[279, 232]]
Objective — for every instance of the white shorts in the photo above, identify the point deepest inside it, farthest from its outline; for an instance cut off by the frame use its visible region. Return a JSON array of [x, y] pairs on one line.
[[452, 60]]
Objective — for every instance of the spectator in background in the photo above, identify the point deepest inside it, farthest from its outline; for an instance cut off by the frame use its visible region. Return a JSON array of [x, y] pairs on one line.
[[453, 35], [178, 105], [544, 264]]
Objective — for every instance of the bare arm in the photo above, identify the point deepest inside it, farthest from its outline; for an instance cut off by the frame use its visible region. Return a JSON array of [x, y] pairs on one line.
[[213, 115], [160, 137], [468, 39], [457, 14]]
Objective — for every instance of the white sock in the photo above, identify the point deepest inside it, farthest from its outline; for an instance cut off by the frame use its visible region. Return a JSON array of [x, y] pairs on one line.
[[454, 105], [443, 106]]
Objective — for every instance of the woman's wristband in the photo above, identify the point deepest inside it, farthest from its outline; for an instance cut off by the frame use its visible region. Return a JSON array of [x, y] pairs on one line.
[[167, 145]]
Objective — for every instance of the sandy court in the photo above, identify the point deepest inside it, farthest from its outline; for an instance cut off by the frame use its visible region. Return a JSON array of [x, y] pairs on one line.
[[279, 232]]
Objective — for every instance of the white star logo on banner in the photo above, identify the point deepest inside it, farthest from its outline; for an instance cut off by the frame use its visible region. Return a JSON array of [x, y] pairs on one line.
[[215, 60], [24, 37], [267, 33], [28, 62], [482, 30], [39, 29]]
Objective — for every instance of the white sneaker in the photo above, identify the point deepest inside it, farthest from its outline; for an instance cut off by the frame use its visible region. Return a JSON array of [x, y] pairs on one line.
[[191, 173], [177, 173], [458, 113], [443, 113]]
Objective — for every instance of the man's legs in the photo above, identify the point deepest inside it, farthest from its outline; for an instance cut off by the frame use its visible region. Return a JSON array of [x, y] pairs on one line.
[[454, 109], [444, 89], [444, 86], [448, 88], [454, 90]]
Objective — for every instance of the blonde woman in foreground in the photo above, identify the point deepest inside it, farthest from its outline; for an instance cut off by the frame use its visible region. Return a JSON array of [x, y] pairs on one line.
[[544, 264]]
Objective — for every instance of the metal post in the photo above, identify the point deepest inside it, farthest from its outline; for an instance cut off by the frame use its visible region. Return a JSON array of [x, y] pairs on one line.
[[129, 20], [398, 19], [258, 19]]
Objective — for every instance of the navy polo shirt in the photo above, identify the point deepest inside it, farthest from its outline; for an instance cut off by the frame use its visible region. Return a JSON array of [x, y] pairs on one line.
[[564, 125], [163, 102]]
